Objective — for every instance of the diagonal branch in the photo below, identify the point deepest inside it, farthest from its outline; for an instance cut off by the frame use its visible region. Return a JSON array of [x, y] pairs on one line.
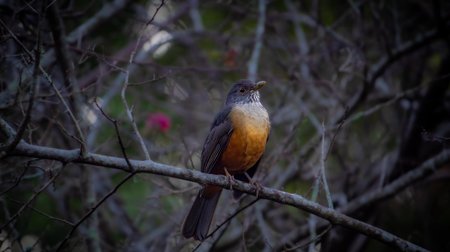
[[32, 198], [383, 65], [225, 222], [370, 198], [93, 209], [102, 16], [336, 218]]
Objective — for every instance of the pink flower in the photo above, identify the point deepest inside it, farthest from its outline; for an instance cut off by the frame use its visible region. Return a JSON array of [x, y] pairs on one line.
[[158, 121]]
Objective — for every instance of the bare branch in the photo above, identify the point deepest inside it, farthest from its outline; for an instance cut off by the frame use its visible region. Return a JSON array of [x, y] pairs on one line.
[[103, 15], [413, 176], [32, 198], [119, 138], [93, 209], [226, 221], [254, 59], [312, 241], [43, 213], [368, 199], [18, 179], [301, 39], [126, 83], [377, 82], [91, 212], [336, 218], [52, 84], [33, 89], [323, 176], [384, 63], [63, 56]]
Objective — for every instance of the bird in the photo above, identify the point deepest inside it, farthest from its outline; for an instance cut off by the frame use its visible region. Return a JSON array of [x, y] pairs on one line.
[[234, 146]]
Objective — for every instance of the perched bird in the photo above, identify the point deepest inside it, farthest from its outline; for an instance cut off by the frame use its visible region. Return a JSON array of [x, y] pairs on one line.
[[234, 146]]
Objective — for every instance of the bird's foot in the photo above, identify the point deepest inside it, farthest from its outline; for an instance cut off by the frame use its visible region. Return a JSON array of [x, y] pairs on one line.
[[256, 184], [230, 178]]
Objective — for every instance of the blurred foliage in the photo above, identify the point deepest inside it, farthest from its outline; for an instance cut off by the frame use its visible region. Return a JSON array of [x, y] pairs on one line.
[[318, 58]]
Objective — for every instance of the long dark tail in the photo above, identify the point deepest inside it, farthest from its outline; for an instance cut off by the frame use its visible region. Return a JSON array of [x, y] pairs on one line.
[[200, 216]]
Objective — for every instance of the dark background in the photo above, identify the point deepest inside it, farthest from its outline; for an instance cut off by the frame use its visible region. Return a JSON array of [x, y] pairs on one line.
[[374, 73]]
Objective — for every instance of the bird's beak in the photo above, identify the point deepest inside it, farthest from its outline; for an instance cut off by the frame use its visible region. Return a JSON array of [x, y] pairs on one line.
[[259, 85]]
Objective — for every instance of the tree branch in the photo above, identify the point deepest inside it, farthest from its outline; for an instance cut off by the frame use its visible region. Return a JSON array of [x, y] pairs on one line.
[[336, 218], [384, 63], [369, 198], [93, 209], [427, 168], [128, 110], [102, 16], [32, 198], [254, 59], [52, 84], [110, 193], [62, 54]]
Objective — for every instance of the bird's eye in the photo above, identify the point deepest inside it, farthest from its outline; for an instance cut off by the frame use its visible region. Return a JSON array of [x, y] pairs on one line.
[[242, 90]]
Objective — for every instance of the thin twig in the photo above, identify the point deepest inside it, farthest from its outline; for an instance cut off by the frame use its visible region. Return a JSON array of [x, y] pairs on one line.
[[119, 138], [254, 59], [102, 16], [232, 216], [227, 220], [33, 90], [312, 241], [301, 40], [93, 209], [63, 56], [322, 170], [122, 182], [32, 198], [369, 198], [312, 221], [42, 213], [52, 84], [264, 229], [16, 182], [156, 12], [384, 63], [125, 85]]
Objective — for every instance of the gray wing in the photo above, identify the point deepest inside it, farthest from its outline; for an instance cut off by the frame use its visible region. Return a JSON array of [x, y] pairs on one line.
[[216, 141]]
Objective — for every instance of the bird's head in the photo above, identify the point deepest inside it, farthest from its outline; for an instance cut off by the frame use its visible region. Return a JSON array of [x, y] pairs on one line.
[[244, 91]]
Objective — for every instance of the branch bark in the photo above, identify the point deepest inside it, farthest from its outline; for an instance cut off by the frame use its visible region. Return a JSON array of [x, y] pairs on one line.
[[370, 198], [336, 218]]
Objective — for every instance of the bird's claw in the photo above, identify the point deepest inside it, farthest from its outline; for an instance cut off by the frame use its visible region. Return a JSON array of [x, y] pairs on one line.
[[230, 178], [254, 183]]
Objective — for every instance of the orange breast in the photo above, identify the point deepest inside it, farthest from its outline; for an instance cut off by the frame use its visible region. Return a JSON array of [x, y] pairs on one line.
[[248, 140]]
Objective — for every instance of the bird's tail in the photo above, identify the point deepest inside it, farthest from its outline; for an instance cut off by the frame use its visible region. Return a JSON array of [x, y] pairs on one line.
[[200, 216]]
